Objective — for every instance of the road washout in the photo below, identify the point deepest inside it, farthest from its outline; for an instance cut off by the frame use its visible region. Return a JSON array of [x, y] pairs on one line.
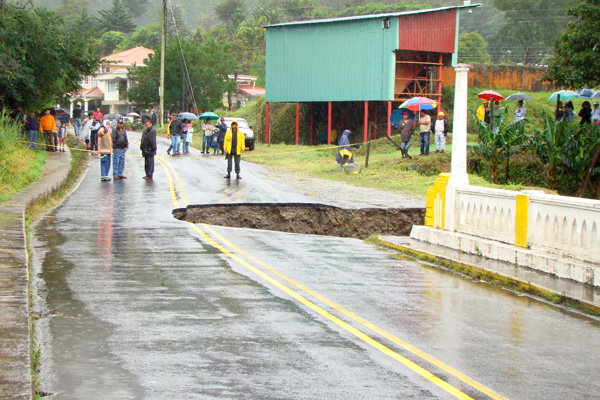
[[306, 218]]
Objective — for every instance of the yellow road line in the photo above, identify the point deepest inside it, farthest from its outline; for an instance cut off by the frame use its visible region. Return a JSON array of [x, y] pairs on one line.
[[367, 339]]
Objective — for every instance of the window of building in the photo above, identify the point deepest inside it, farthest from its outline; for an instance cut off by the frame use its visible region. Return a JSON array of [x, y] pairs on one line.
[[112, 86]]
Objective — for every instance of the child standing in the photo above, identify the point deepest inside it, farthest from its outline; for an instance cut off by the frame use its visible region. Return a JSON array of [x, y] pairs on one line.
[[62, 137]]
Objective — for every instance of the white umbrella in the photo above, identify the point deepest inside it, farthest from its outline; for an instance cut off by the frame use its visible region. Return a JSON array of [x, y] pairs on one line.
[[132, 114], [518, 96]]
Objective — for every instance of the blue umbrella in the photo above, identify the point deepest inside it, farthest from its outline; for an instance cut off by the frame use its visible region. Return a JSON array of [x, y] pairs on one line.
[[564, 94], [186, 115], [209, 115]]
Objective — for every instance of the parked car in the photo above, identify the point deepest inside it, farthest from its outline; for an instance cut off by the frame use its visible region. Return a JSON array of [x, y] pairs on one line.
[[246, 130], [62, 116]]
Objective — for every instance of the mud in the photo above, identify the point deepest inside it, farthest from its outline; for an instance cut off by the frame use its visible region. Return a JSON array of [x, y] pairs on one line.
[[317, 219]]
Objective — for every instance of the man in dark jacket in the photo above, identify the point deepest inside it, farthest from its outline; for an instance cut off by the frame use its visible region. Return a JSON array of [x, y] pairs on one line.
[[120, 146], [148, 148], [407, 128], [154, 117], [77, 118], [175, 130], [221, 135], [146, 116], [32, 126]]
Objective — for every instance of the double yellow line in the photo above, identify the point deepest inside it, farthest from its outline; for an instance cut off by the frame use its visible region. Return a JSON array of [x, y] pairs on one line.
[[211, 236]]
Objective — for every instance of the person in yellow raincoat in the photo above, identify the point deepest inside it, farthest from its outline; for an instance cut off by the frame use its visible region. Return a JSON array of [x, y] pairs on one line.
[[234, 144]]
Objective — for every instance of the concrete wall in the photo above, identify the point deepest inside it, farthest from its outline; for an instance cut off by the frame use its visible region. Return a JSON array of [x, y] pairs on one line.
[[515, 77]]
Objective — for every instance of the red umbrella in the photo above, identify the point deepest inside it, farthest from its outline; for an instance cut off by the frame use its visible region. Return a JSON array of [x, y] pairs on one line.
[[489, 94]]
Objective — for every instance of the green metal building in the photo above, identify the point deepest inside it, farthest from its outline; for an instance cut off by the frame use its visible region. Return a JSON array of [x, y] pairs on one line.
[[373, 58]]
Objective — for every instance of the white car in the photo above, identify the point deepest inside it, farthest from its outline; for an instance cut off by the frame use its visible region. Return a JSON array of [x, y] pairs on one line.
[[246, 130]]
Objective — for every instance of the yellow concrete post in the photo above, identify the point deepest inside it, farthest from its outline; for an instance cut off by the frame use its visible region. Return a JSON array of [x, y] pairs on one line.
[[436, 202], [521, 218]]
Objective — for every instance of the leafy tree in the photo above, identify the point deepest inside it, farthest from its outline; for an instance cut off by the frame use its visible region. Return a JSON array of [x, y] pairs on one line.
[[136, 7], [548, 145], [208, 63], [231, 11], [117, 18], [576, 53], [472, 49], [266, 13], [86, 23], [148, 36], [380, 8], [109, 41], [41, 58], [71, 8], [530, 30]]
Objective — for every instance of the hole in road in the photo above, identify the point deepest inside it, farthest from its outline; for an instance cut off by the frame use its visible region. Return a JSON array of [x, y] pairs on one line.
[[317, 219]]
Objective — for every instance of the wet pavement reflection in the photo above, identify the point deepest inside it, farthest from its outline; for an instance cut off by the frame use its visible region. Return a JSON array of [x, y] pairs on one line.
[[138, 305]]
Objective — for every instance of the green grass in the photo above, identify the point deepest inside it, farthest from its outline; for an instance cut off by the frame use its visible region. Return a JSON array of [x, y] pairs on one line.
[[19, 166]]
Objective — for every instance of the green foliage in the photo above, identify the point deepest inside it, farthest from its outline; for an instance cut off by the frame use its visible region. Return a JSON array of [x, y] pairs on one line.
[[576, 53], [117, 18], [208, 63], [18, 165], [147, 36], [231, 12], [41, 58], [71, 8], [472, 49], [530, 29], [109, 41]]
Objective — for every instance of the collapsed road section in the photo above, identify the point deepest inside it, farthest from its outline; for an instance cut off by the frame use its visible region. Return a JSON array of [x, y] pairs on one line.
[[307, 218]]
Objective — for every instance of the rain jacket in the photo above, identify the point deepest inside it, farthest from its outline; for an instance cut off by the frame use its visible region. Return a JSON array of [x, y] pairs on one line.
[[32, 124], [119, 139], [104, 141], [240, 145], [175, 128], [407, 128], [47, 123], [86, 126], [209, 129], [344, 148], [148, 142]]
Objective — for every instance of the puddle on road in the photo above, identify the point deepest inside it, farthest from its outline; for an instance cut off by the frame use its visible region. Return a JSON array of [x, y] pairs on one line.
[[306, 218]]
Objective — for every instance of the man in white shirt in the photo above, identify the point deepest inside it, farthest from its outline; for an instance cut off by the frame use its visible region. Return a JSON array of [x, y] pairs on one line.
[[425, 132], [441, 130], [520, 111]]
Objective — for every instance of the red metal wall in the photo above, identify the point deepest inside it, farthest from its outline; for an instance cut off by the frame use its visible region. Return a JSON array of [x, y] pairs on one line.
[[435, 31]]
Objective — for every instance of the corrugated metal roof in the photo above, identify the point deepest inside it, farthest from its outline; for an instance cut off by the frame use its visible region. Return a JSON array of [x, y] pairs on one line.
[[370, 16]]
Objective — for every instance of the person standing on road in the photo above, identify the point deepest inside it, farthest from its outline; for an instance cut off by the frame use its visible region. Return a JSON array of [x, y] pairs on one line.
[[84, 133], [424, 132], [77, 119], [148, 148], [99, 115], [407, 129], [105, 149], [48, 126], [174, 130], [154, 117], [146, 116], [94, 128], [441, 130], [221, 135], [32, 125], [186, 139], [120, 145], [233, 144], [208, 130]]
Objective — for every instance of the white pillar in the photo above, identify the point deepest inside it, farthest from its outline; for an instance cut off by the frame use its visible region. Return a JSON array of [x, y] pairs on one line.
[[458, 167], [85, 106], [458, 171]]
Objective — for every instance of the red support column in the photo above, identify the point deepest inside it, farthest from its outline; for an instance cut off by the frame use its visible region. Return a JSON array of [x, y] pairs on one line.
[[366, 126], [312, 124], [389, 114], [439, 107], [329, 124], [267, 139], [297, 122]]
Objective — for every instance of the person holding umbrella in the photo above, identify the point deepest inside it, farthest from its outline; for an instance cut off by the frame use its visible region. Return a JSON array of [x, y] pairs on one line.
[[208, 129], [520, 111], [407, 129]]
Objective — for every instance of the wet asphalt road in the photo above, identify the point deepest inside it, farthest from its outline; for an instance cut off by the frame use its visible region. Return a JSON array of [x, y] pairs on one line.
[[138, 305]]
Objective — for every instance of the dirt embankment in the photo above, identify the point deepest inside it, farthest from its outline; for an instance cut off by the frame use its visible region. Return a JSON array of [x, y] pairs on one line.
[[318, 219]]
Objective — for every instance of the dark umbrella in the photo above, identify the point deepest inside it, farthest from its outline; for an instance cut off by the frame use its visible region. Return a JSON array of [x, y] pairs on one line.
[[396, 116]]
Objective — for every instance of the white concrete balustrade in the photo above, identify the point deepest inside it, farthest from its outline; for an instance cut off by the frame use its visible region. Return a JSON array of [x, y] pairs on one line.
[[567, 225], [486, 212]]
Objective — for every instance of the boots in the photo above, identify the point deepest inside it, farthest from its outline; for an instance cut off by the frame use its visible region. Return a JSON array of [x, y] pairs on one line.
[[238, 176], [227, 176]]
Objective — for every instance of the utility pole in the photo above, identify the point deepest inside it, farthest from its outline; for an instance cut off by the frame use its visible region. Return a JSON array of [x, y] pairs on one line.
[[163, 50]]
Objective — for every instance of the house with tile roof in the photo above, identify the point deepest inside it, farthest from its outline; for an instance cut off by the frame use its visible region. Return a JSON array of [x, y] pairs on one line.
[[106, 89], [247, 90]]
